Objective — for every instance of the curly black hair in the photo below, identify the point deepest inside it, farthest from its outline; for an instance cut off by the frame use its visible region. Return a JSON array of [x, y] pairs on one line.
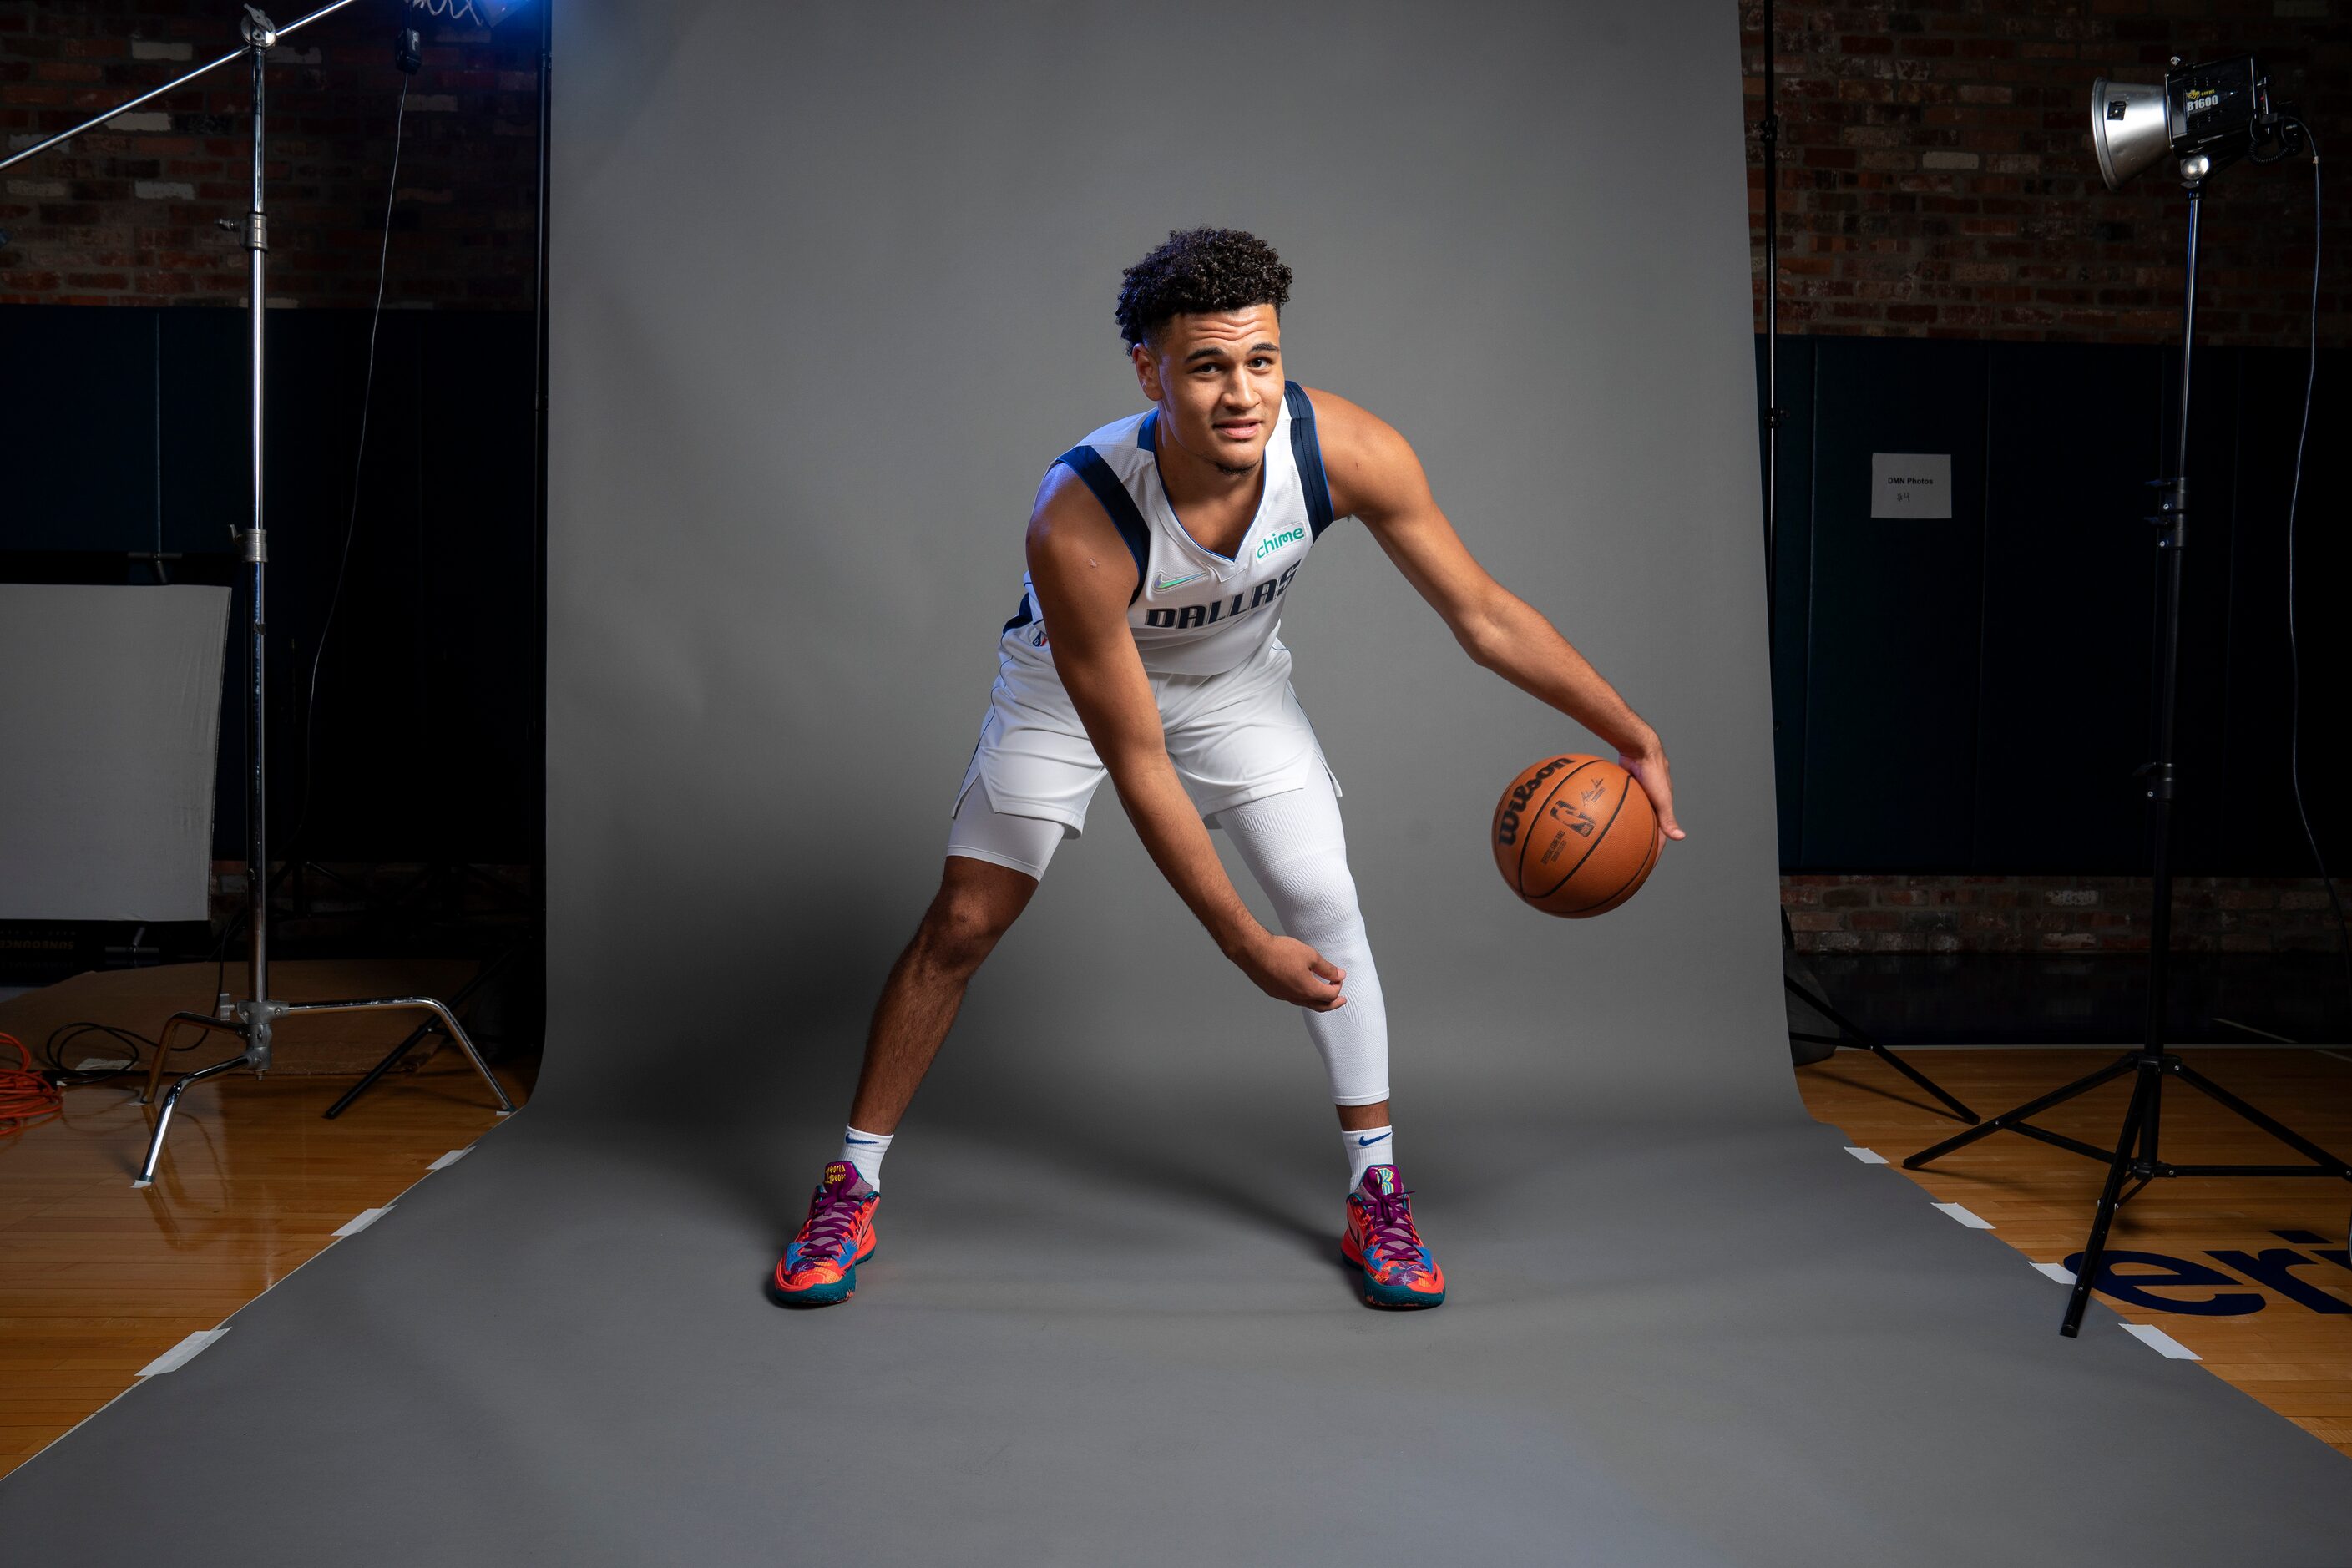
[[1199, 271]]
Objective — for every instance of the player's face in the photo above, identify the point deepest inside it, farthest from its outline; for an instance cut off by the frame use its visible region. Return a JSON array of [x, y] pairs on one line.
[[1217, 379]]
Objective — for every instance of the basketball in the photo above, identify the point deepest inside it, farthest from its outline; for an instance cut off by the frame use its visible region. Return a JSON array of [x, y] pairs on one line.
[[1575, 835]]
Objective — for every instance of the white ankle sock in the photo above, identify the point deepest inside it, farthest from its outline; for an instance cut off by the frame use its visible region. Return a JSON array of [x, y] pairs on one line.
[[1372, 1146], [864, 1151]]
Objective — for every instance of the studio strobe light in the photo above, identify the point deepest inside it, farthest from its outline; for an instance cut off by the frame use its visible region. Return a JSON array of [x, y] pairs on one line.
[[2205, 117], [2220, 111]]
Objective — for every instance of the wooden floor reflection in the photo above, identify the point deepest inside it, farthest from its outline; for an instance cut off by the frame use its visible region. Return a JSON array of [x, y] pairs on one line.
[[2293, 1350], [96, 1280]]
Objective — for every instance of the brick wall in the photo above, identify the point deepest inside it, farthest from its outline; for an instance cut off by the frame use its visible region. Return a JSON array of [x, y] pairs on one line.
[[1936, 178], [124, 215], [339, 890], [2055, 914]]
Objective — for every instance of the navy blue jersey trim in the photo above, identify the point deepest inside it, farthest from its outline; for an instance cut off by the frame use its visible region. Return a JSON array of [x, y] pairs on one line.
[[1307, 453], [1147, 435], [1087, 464], [1022, 616]]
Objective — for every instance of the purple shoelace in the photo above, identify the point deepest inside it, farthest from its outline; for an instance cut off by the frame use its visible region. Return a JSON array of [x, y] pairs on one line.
[[832, 1219], [1389, 1227]]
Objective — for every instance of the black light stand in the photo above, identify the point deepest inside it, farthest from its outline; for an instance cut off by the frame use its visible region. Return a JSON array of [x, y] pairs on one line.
[[254, 1018], [2136, 1151], [1849, 1034]]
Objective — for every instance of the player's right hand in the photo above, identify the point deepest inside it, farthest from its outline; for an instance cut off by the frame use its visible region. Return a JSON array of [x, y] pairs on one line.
[[1289, 971]]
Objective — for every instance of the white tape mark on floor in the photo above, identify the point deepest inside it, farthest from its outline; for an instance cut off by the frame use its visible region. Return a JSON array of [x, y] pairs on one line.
[[2058, 1271], [361, 1220], [2164, 1344], [102, 1064], [451, 1158], [1974, 1221], [181, 1354], [1867, 1156]]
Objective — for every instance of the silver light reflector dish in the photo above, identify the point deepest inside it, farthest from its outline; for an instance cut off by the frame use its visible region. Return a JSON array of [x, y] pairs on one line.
[[2128, 128]]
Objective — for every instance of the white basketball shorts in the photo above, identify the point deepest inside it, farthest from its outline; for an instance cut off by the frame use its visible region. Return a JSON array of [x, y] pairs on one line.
[[1233, 736]]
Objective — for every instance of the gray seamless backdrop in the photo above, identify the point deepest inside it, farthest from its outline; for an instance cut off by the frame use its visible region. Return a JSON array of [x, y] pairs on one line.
[[833, 284], [836, 286]]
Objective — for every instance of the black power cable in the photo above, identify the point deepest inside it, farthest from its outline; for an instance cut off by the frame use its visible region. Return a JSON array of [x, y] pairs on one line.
[[2293, 651], [53, 1051], [359, 466]]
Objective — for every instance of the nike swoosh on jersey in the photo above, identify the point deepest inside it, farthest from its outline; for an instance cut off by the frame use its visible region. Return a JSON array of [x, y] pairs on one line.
[[1164, 581]]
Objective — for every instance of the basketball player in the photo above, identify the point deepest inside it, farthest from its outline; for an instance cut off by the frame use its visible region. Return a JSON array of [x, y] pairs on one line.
[[1159, 551]]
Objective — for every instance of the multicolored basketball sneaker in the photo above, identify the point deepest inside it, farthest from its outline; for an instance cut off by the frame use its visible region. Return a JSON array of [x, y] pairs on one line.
[[820, 1267], [1392, 1267]]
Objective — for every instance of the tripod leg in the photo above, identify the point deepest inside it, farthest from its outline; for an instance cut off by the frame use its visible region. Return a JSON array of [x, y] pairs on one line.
[[2285, 1134], [156, 1067], [146, 1177], [450, 1026], [449, 1023], [164, 1046], [377, 1072], [2094, 1250], [1855, 1035], [482, 977], [1924, 1081], [2025, 1113]]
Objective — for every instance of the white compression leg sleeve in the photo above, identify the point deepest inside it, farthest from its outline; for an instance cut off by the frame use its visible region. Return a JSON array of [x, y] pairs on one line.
[[1295, 846]]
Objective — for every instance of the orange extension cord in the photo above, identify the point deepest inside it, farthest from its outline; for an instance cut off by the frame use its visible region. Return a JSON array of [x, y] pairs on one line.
[[26, 1097]]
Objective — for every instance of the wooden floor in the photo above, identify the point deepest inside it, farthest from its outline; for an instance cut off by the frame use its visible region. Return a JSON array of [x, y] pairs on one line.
[[2288, 1342], [96, 1281]]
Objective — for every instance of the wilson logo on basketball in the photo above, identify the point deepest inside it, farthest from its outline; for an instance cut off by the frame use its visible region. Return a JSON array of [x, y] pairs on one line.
[[1506, 825]]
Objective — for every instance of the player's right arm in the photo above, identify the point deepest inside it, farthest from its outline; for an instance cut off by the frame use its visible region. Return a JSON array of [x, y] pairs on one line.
[[1083, 578]]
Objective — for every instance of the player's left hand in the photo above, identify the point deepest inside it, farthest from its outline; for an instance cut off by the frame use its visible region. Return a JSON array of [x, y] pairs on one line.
[[1649, 767]]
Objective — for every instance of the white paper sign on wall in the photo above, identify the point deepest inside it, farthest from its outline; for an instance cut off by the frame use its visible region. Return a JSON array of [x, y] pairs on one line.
[[1910, 484]]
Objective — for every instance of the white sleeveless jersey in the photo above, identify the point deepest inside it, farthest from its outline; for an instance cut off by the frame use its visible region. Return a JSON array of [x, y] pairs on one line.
[[1195, 612]]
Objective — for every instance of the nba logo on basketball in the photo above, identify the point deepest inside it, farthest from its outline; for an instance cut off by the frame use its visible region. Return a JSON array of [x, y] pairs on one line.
[[1571, 818]]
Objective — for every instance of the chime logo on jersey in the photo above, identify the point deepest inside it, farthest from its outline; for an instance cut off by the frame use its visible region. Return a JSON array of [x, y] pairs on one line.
[[1235, 605], [1289, 536]]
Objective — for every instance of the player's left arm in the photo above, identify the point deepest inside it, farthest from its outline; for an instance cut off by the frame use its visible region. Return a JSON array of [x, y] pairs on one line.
[[1374, 475]]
